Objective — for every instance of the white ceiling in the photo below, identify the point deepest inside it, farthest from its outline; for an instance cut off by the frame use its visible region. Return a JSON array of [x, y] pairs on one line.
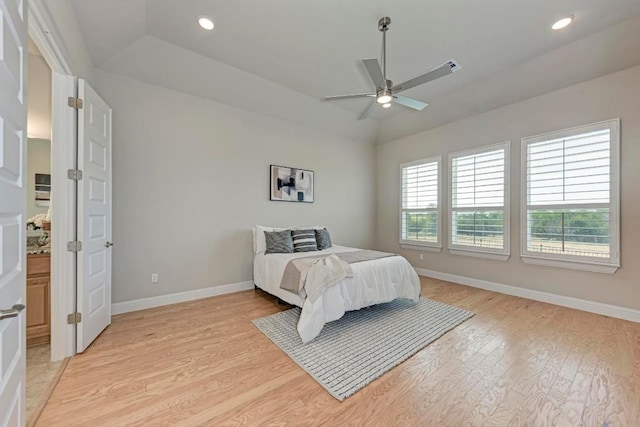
[[314, 48]]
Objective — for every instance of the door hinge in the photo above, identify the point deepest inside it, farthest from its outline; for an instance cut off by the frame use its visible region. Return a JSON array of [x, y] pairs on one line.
[[75, 246], [74, 318], [74, 174], [75, 103]]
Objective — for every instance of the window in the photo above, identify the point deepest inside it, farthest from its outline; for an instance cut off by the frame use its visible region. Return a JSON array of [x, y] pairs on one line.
[[420, 210], [570, 198], [479, 202]]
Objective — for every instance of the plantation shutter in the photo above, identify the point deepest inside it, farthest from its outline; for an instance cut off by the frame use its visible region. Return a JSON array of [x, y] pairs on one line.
[[569, 194], [478, 180], [572, 170], [419, 210], [478, 199]]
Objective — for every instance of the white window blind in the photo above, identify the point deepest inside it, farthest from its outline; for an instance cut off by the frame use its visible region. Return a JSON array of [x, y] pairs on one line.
[[420, 206], [570, 177], [479, 200]]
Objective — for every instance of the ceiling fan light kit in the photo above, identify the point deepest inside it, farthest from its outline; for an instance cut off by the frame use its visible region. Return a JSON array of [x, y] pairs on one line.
[[384, 96], [385, 92]]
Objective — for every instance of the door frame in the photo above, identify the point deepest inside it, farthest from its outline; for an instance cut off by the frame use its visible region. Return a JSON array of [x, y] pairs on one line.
[[44, 34]]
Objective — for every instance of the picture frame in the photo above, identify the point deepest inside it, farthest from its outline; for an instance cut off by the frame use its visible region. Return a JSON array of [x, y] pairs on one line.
[[43, 189], [289, 184]]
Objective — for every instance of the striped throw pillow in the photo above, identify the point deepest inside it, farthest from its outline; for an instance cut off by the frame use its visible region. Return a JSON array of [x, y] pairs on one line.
[[304, 240], [278, 242]]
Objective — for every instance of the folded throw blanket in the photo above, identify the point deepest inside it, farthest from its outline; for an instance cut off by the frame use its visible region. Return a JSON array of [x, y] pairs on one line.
[[312, 276]]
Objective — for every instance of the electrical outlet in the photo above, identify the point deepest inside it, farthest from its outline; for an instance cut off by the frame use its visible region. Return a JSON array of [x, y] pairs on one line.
[[421, 257], [154, 278]]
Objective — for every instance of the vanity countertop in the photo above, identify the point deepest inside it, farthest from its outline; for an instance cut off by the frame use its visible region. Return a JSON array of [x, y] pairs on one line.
[[38, 250]]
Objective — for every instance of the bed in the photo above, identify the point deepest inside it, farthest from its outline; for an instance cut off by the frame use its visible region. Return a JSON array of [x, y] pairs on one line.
[[372, 282]]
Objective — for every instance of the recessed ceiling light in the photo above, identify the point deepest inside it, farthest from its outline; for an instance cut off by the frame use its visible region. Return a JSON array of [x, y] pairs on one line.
[[558, 25], [387, 105], [205, 22]]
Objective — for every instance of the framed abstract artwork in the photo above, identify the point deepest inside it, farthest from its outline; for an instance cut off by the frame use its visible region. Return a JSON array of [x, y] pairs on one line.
[[43, 189], [291, 184]]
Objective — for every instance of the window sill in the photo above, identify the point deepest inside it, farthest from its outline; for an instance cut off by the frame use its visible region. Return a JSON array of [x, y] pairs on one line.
[[572, 265], [479, 254], [420, 247]]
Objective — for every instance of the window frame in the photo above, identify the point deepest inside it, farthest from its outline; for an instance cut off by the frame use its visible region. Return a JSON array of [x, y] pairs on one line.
[[577, 262], [418, 244], [474, 251]]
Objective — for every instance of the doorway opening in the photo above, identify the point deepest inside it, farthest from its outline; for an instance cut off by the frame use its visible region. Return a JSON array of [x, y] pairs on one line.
[[42, 373], [73, 285]]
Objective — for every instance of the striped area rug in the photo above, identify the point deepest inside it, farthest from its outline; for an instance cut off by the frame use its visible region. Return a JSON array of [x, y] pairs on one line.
[[364, 344]]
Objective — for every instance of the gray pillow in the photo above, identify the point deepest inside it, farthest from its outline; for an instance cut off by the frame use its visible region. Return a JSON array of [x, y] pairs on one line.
[[278, 242], [323, 239], [304, 241]]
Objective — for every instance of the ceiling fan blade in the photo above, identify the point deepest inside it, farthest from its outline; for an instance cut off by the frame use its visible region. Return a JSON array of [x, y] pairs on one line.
[[441, 71], [355, 95], [375, 72], [410, 102], [366, 113]]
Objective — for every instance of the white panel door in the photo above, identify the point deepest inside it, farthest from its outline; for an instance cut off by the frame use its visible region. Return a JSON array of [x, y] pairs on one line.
[[94, 216], [13, 204]]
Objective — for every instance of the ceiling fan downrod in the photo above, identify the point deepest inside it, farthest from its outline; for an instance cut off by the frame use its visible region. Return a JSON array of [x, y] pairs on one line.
[[383, 25]]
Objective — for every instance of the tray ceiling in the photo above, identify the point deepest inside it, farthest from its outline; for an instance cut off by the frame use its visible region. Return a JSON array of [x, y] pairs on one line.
[[314, 48]]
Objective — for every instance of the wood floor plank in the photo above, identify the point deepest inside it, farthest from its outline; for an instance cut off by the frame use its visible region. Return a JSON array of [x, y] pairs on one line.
[[600, 393], [482, 405], [517, 362], [458, 391], [495, 398], [575, 401]]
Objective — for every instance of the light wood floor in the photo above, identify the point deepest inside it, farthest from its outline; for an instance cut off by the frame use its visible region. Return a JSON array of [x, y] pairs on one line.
[[517, 362]]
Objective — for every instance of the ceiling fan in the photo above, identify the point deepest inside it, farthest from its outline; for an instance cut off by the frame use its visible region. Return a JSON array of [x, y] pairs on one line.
[[386, 92]]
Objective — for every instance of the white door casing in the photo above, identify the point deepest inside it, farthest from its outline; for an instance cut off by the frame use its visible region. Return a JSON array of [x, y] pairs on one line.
[[94, 216], [13, 134], [64, 130]]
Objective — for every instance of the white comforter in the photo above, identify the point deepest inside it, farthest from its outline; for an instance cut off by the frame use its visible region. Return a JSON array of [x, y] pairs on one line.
[[373, 282]]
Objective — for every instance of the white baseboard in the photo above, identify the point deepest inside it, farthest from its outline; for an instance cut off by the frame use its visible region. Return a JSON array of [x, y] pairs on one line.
[[143, 303], [577, 303]]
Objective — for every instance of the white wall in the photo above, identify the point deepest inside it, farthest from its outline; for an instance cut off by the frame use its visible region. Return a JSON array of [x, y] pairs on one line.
[[191, 178], [39, 98], [613, 96], [38, 161]]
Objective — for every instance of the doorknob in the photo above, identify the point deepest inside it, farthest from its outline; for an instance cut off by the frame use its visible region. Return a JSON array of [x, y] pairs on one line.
[[12, 312], [108, 244]]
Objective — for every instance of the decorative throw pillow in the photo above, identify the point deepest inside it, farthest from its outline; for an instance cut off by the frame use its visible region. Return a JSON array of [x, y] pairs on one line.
[[323, 239], [259, 242], [304, 240], [278, 242]]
